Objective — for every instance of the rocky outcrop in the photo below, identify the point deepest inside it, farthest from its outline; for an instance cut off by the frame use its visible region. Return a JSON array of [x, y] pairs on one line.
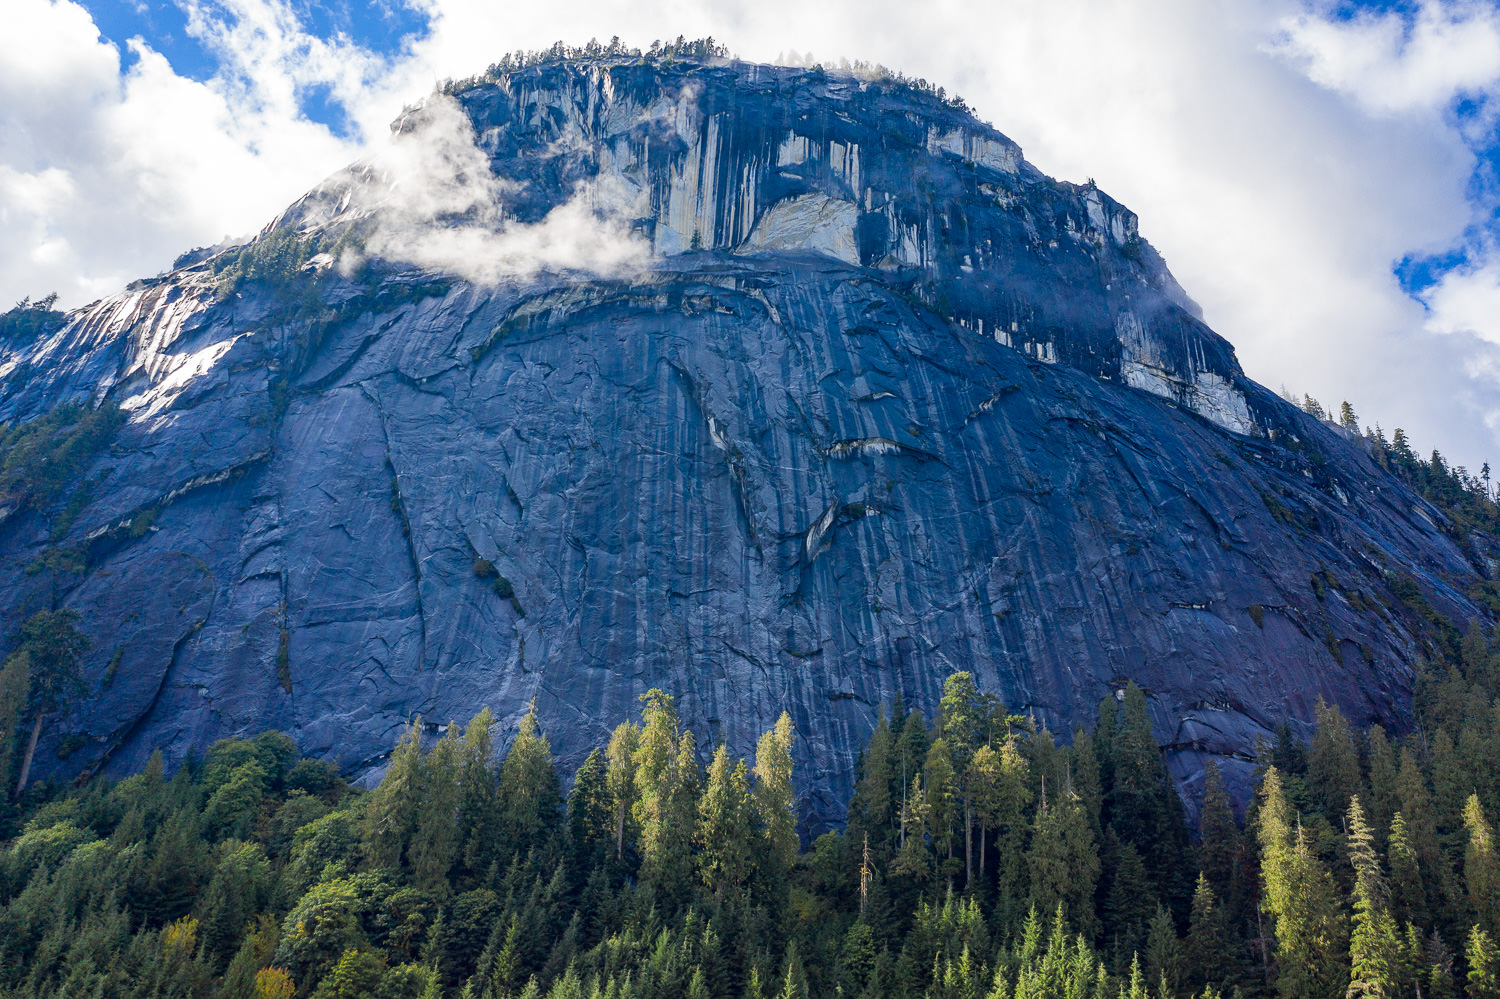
[[862, 399]]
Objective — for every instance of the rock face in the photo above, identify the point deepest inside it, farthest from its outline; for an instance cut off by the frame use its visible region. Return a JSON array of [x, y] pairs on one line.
[[863, 399]]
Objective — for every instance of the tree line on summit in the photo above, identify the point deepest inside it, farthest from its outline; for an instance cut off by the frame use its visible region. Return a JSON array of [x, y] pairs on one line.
[[983, 858]]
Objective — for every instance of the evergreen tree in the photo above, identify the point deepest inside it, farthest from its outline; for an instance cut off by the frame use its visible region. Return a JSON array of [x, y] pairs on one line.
[[1374, 944], [1484, 966], [870, 808], [1143, 809], [1332, 762], [391, 812], [940, 781], [620, 780], [775, 806], [435, 844], [1063, 862], [1130, 903], [1220, 848], [1163, 952], [1383, 801], [1208, 957], [1482, 868], [1408, 896], [53, 645], [590, 816], [478, 799], [960, 723], [530, 797], [665, 798], [725, 851], [1298, 894]]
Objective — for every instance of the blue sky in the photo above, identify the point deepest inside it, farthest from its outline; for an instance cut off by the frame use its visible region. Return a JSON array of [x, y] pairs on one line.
[[1323, 176]]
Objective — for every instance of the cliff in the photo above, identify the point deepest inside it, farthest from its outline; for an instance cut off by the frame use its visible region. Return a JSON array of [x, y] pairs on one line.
[[768, 387]]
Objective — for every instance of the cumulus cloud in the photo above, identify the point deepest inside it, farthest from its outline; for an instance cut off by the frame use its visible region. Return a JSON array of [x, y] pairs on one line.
[[107, 173], [1391, 63], [433, 201], [1282, 158]]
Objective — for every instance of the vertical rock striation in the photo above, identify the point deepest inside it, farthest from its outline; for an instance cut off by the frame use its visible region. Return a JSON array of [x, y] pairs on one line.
[[862, 399]]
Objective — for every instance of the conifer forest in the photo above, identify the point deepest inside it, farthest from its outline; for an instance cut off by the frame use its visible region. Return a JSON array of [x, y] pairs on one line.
[[984, 858]]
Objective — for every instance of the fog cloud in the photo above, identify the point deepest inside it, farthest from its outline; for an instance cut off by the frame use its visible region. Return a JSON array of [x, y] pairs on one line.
[[431, 199]]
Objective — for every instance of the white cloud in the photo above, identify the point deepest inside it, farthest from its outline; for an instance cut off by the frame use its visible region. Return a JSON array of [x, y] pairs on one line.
[[1467, 300], [106, 174], [1389, 64], [1280, 159], [435, 202]]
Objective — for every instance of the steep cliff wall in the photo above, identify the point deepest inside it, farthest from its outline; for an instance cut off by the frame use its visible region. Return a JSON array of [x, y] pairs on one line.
[[769, 388]]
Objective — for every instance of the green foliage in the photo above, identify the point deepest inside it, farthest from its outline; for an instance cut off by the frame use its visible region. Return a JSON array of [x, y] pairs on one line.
[[30, 321], [44, 459], [462, 874]]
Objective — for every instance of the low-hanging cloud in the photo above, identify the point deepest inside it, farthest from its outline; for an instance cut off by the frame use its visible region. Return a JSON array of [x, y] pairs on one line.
[[431, 199]]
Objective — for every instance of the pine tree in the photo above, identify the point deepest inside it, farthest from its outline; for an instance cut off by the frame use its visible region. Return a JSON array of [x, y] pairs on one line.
[[1208, 956], [775, 805], [794, 980], [620, 780], [1298, 894], [1143, 809], [1383, 801], [960, 724], [1374, 944], [478, 796], [1408, 895], [530, 797], [870, 809], [1482, 868], [940, 780], [1220, 848], [590, 818], [1164, 952], [1484, 966], [1332, 762], [666, 807], [913, 858], [435, 843], [1063, 861], [391, 812], [725, 851]]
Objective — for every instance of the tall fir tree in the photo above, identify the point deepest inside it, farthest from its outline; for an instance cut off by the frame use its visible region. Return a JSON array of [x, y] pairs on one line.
[[665, 799], [435, 843], [775, 805], [726, 849], [1063, 861], [1374, 943], [1299, 896], [530, 796], [1332, 762], [1483, 960], [1482, 868], [391, 809], [620, 781], [478, 801], [590, 817], [870, 808]]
